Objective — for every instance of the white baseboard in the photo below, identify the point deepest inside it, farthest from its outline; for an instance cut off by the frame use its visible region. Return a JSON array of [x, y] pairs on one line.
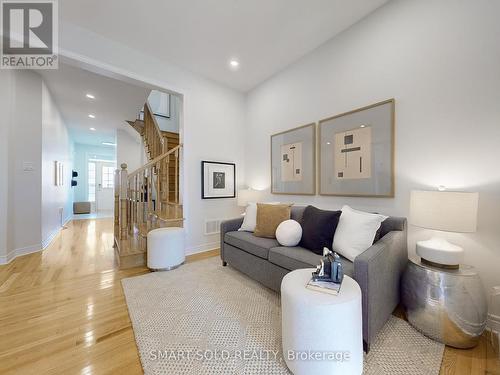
[[47, 241], [202, 248], [5, 259], [493, 325], [494, 340], [494, 322]]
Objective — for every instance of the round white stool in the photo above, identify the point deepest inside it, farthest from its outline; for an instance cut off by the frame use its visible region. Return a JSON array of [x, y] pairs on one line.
[[165, 250], [322, 333]]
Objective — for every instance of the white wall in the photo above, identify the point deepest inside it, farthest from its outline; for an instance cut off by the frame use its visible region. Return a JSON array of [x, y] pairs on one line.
[[56, 146], [5, 110], [32, 134], [212, 120], [213, 130], [440, 61], [23, 209], [166, 124], [129, 150]]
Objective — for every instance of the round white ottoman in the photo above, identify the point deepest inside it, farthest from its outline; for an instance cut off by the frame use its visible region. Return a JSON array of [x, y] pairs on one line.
[[165, 250], [322, 333]]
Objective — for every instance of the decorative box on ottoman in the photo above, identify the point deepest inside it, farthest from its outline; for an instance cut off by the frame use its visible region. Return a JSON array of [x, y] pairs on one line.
[[322, 333]]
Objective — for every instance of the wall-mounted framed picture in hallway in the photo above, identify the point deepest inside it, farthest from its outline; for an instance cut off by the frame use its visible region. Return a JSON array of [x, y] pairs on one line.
[[218, 180], [293, 159], [356, 152]]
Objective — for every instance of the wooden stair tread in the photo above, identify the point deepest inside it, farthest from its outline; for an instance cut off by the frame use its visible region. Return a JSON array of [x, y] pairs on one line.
[[170, 134], [130, 246], [138, 125]]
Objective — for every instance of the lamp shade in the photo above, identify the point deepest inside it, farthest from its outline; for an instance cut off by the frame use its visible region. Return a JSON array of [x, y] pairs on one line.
[[443, 210], [246, 196]]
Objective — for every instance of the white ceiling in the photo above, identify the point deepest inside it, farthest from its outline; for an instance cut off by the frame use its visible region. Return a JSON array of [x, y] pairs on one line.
[[202, 35], [115, 102]]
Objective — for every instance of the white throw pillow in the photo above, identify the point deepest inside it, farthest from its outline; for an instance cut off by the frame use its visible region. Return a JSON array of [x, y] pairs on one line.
[[250, 218], [289, 233], [355, 232]]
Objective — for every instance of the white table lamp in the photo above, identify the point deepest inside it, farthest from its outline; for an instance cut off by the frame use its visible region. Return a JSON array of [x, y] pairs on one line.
[[443, 211]]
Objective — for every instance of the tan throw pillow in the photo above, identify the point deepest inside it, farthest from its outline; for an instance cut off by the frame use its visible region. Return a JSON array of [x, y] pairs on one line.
[[269, 216]]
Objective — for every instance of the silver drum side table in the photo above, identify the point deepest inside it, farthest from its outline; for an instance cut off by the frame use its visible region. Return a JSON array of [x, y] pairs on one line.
[[447, 305]]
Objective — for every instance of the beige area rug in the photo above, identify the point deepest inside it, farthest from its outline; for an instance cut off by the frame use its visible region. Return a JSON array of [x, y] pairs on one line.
[[203, 318]]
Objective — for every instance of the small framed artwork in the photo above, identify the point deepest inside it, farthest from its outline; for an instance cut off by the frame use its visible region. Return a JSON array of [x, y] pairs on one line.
[[356, 152], [293, 158], [218, 180]]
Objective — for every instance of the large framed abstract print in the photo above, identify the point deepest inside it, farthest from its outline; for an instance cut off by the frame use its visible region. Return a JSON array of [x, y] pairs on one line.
[[356, 152], [293, 159], [218, 180]]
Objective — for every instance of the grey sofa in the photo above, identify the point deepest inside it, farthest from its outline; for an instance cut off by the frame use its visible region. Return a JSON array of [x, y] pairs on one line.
[[377, 270]]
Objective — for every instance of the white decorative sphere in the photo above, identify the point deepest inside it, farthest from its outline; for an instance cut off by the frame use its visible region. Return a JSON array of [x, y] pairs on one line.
[[289, 233]]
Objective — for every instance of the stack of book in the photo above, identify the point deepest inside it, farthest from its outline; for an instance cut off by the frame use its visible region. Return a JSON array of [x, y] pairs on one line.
[[324, 286]]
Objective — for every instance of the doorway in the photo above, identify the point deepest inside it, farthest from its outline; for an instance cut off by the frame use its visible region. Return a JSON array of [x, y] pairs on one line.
[[101, 185]]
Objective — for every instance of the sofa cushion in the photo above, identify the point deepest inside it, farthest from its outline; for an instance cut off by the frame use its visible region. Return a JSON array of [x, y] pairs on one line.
[[296, 213], [297, 257], [250, 218], [355, 232], [318, 227], [246, 241], [269, 216]]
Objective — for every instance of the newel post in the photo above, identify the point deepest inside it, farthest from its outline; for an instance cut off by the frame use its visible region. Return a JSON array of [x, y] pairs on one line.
[[116, 206], [123, 197]]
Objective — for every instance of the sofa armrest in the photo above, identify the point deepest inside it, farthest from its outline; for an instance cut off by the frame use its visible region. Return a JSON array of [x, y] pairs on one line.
[[228, 226], [378, 271]]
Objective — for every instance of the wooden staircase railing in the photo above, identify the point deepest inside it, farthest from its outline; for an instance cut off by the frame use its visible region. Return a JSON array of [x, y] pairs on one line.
[[146, 199], [153, 137]]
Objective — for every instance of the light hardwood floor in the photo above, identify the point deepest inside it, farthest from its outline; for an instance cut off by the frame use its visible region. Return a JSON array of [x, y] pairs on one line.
[[63, 311]]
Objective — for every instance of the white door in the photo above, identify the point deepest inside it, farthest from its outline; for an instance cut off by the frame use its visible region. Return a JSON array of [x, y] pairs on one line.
[[104, 198]]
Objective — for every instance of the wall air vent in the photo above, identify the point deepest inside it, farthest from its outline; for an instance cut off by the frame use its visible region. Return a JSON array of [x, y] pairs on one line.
[[212, 226]]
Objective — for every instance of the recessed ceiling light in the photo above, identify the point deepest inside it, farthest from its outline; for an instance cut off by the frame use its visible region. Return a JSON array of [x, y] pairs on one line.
[[234, 64], [109, 144], [90, 96], [93, 129], [92, 116], [363, 126], [328, 143]]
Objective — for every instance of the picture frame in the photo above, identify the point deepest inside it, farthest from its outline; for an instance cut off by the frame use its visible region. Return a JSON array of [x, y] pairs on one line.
[[218, 180], [356, 152], [293, 161]]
